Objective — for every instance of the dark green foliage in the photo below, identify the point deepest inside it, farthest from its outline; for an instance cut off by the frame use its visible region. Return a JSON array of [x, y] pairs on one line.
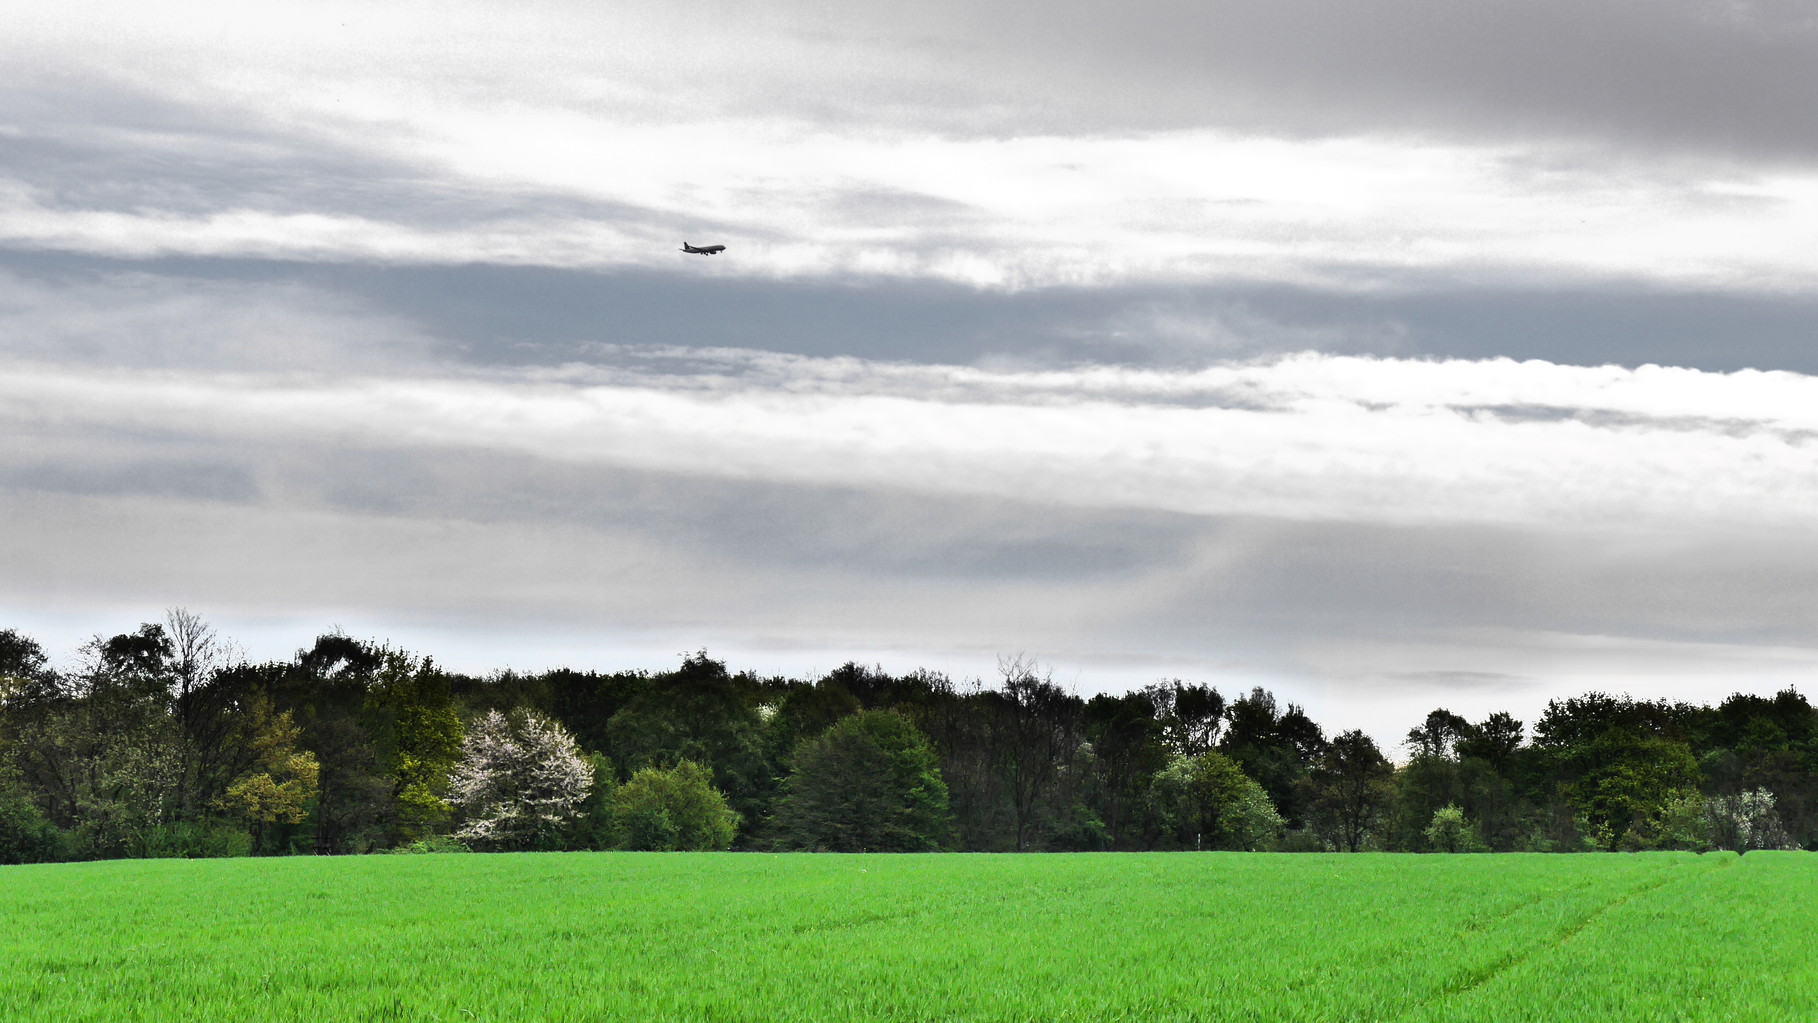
[[592, 824], [870, 783], [154, 740], [1190, 716], [1276, 747], [1207, 802], [1352, 785], [433, 844], [25, 672], [194, 840], [26, 836], [805, 712], [1129, 746], [701, 713]]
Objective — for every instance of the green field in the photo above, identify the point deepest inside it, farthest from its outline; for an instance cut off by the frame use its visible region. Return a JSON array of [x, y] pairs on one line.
[[1176, 936]]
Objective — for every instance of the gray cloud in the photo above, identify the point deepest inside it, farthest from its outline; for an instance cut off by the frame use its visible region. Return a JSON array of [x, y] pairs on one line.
[[1401, 619], [210, 481], [1729, 78], [333, 316]]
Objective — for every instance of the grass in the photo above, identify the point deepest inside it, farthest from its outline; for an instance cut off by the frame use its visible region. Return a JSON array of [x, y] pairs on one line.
[[730, 937]]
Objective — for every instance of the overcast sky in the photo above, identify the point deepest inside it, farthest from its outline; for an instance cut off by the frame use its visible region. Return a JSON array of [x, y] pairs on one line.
[[1391, 355]]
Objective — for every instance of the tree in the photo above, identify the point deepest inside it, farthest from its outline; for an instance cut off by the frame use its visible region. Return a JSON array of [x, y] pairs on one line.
[[1128, 742], [701, 713], [1352, 788], [870, 783], [279, 780], [672, 809], [196, 655], [520, 781], [1630, 778], [1207, 802], [1495, 740], [1746, 821], [25, 673], [1275, 747], [99, 751], [326, 688], [1190, 715], [1438, 734], [1036, 726], [805, 712], [26, 836], [420, 733]]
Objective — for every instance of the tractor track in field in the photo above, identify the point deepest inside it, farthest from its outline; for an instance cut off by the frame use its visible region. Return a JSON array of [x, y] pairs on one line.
[[1475, 979]]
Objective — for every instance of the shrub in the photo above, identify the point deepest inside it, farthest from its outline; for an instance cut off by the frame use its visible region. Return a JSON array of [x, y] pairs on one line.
[[194, 840], [672, 810], [433, 844], [25, 835], [1747, 821], [1452, 832]]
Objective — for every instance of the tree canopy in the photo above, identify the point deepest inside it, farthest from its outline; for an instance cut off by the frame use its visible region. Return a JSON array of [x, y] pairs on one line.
[[160, 740]]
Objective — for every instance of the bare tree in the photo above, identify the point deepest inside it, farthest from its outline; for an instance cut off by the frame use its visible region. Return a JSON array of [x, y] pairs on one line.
[[196, 655]]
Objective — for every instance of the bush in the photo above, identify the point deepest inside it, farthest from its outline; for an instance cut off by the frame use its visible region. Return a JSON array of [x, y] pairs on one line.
[[672, 810], [194, 840], [25, 835], [433, 844], [1304, 840], [1452, 832]]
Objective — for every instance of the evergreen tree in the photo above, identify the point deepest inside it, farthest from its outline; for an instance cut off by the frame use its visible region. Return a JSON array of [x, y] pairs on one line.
[[870, 783]]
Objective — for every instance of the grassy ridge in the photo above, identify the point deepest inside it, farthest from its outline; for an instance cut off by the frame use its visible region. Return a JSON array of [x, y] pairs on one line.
[[619, 936]]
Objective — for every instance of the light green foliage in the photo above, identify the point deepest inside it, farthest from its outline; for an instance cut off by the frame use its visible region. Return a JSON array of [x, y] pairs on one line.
[[1452, 832], [1680, 822], [280, 783], [1219, 937], [674, 809], [420, 732]]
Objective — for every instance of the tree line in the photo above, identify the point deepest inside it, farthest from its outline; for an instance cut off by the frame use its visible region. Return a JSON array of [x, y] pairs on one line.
[[164, 742]]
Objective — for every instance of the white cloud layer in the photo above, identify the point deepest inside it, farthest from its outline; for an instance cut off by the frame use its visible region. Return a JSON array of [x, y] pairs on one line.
[[1308, 437], [562, 136]]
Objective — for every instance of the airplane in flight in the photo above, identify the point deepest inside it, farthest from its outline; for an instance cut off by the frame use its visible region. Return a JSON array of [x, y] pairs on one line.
[[704, 250]]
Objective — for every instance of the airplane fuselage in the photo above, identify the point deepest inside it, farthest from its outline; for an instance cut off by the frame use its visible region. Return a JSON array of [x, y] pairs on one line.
[[704, 250]]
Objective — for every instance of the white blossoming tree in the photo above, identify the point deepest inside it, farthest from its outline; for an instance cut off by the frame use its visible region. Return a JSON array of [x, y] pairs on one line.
[[520, 779], [1746, 821]]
